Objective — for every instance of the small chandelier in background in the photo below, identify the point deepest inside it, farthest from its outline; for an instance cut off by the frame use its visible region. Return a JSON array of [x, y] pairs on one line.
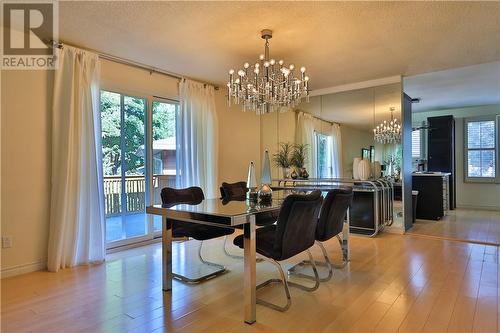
[[268, 85], [388, 132]]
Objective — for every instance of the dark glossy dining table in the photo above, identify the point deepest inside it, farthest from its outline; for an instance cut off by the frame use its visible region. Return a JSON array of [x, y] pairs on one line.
[[224, 214]]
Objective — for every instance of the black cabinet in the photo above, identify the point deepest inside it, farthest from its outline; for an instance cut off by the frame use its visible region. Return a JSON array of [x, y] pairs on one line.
[[362, 213], [431, 200], [441, 150]]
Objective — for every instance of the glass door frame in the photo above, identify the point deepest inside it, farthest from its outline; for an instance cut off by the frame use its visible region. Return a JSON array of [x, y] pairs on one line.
[[150, 195]]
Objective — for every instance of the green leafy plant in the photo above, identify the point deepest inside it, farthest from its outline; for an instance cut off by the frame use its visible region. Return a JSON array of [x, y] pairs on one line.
[[299, 155], [282, 158]]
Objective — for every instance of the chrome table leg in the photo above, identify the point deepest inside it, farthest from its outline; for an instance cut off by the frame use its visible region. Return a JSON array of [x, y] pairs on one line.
[[345, 238], [166, 254], [249, 274]]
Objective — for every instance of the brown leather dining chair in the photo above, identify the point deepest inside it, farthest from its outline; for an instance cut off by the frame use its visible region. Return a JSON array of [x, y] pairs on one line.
[[193, 196], [237, 191], [334, 211], [293, 233]]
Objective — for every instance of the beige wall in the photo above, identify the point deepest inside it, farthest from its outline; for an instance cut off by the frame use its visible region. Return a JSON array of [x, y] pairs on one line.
[[469, 195], [239, 140], [26, 138]]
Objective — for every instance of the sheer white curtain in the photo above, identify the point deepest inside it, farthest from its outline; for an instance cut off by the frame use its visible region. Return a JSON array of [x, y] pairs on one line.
[[197, 138], [335, 150], [305, 134], [76, 233]]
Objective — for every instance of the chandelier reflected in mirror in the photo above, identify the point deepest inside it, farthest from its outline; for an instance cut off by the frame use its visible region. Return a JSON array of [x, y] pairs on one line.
[[388, 131], [268, 85]]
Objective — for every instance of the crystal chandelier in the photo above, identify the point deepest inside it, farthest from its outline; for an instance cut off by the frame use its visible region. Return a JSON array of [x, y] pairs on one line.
[[268, 85], [388, 132]]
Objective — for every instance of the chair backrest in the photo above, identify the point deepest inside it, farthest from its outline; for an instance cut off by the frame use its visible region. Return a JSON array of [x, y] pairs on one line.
[[191, 195], [297, 224], [333, 213], [236, 190]]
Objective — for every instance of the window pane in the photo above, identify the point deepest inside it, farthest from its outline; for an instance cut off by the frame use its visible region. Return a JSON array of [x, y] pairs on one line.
[[111, 160], [474, 163], [135, 185], [488, 163], [415, 144], [488, 134], [481, 138], [474, 135], [481, 134], [134, 135], [111, 129], [323, 160], [164, 151]]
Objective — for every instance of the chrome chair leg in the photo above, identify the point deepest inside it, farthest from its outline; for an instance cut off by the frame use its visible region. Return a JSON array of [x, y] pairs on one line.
[[226, 252], [234, 256], [344, 254], [286, 285], [327, 263], [315, 278], [282, 280], [220, 269]]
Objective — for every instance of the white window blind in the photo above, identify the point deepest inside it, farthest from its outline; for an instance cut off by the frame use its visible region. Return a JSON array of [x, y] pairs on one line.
[[481, 145], [416, 144]]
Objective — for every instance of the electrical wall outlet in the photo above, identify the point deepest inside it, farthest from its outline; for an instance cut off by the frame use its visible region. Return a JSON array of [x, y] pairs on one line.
[[6, 241]]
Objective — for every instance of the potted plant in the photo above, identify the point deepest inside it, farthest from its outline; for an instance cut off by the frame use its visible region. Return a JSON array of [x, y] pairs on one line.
[[282, 159], [299, 159]]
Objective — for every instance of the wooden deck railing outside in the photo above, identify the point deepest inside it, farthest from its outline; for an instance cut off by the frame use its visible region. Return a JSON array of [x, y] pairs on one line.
[[135, 188]]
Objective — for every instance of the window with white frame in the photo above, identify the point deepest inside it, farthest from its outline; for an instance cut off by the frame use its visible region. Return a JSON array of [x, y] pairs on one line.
[[481, 146], [416, 144], [323, 158]]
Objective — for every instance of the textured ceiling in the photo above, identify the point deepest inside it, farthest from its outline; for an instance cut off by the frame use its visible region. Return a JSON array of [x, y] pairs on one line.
[[339, 42]]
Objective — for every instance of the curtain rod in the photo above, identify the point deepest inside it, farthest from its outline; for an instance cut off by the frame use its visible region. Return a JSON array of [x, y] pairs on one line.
[[128, 62], [315, 117]]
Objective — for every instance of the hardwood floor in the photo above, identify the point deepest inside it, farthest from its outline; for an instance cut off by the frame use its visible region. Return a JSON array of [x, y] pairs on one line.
[[479, 226], [393, 282]]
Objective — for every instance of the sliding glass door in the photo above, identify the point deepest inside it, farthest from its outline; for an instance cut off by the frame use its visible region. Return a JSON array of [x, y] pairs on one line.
[[139, 159], [123, 121]]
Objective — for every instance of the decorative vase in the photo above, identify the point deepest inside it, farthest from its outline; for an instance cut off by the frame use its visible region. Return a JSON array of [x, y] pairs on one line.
[[252, 194], [265, 193], [265, 177], [294, 174], [364, 169], [286, 172], [355, 163], [377, 169]]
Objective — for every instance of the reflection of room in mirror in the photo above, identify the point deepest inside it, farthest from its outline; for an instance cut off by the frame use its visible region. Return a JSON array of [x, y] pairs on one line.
[[455, 123], [351, 114]]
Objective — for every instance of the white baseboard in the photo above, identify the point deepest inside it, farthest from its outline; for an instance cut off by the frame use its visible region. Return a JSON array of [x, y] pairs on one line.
[[23, 269], [494, 208]]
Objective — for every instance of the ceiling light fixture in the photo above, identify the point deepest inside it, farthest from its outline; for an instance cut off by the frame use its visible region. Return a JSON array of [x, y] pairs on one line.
[[268, 85], [388, 132]]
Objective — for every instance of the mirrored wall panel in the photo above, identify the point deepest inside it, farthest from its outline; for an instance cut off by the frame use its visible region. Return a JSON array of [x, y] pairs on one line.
[[335, 132]]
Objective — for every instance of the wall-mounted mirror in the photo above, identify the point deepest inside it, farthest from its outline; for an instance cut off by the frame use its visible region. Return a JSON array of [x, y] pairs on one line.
[[454, 153], [337, 129]]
